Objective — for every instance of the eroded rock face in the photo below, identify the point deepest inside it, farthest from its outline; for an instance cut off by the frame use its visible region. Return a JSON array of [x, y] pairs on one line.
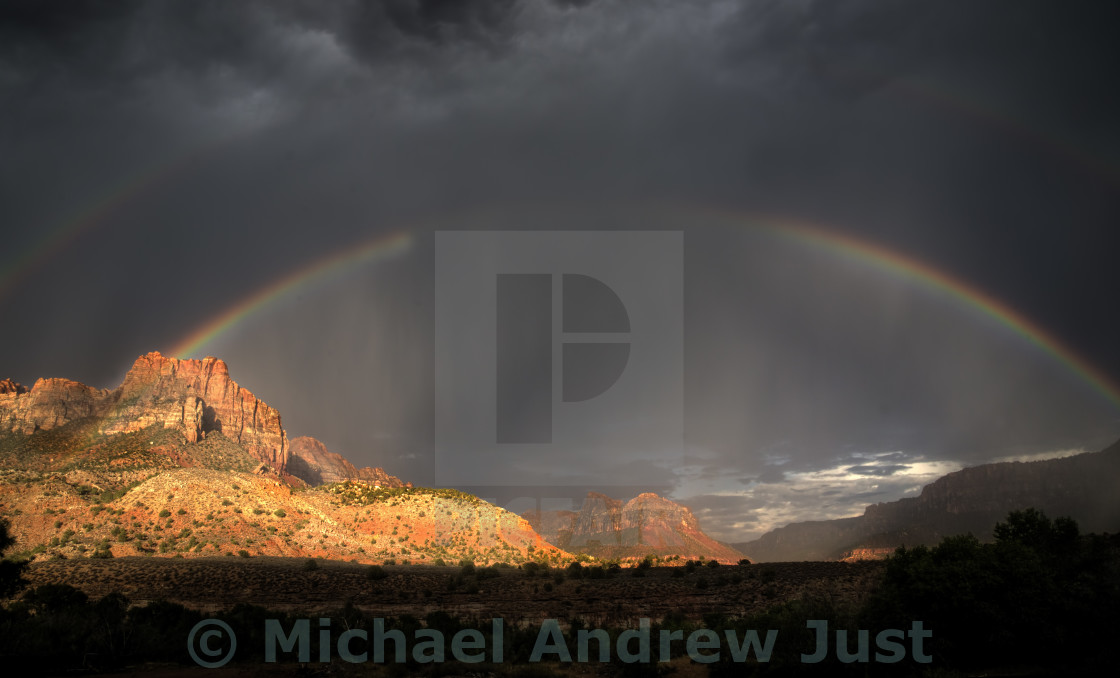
[[14, 387], [197, 396], [49, 403], [647, 524], [200, 397], [312, 462]]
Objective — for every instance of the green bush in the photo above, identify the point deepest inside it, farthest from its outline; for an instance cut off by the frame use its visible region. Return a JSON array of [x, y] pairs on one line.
[[11, 571], [1041, 591]]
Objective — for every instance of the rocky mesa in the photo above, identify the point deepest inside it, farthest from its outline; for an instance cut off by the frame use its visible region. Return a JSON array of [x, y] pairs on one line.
[[180, 460], [645, 525], [197, 397]]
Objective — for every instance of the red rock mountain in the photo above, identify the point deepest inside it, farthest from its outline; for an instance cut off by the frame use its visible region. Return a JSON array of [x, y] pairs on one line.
[[646, 525], [312, 462], [180, 460], [195, 396], [9, 386]]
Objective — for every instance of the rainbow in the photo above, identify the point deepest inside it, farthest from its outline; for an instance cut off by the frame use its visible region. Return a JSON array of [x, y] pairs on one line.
[[837, 243], [379, 248], [934, 95], [971, 107], [100, 212], [829, 240], [1052, 143]]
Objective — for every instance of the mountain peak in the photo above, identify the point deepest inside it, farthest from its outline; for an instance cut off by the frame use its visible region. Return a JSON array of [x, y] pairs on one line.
[[313, 463], [647, 524], [154, 366], [196, 396], [200, 397]]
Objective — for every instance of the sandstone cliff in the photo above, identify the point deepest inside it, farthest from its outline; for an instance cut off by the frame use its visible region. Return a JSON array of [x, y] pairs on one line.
[[647, 524], [195, 396], [1083, 487], [311, 461], [48, 404], [181, 460], [13, 387]]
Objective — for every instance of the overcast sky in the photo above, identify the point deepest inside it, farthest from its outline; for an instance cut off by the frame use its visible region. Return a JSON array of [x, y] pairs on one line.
[[160, 162]]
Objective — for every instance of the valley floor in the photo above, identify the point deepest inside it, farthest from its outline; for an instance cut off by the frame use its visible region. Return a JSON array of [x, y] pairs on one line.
[[287, 584]]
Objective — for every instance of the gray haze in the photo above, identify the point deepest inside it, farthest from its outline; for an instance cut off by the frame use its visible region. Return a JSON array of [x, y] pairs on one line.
[[162, 161]]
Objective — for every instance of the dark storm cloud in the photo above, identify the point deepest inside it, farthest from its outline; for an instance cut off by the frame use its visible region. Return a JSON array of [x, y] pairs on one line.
[[979, 138], [442, 20], [97, 46], [870, 470]]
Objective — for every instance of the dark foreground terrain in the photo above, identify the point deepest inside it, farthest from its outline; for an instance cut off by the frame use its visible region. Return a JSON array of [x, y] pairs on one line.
[[1040, 600], [616, 597]]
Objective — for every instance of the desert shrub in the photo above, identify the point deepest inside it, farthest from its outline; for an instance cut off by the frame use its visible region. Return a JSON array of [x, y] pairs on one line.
[[164, 513], [11, 571], [640, 569], [1041, 590], [53, 598], [376, 573]]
